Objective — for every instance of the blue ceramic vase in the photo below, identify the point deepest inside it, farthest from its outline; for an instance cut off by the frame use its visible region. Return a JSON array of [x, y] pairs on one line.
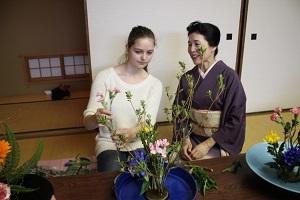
[[179, 183]]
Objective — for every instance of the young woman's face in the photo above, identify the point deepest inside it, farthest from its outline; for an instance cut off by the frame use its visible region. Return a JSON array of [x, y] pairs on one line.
[[141, 52], [196, 40]]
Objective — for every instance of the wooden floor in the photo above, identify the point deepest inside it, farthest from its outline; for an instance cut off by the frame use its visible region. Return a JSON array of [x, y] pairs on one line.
[[58, 147]]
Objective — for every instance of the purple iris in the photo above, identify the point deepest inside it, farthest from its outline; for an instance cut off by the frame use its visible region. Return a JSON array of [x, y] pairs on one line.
[[139, 156], [292, 156]]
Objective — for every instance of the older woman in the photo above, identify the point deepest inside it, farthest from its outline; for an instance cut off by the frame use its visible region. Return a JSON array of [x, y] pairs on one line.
[[203, 41]]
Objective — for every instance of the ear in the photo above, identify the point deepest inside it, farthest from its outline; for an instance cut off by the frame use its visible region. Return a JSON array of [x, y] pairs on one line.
[[213, 49]]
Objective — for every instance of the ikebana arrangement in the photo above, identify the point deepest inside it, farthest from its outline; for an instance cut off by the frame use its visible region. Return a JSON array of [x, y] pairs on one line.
[[11, 173], [286, 153], [153, 164]]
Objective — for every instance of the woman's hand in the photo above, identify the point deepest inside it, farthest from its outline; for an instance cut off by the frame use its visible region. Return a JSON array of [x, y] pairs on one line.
[[202, 149], [101, 112], [186, 149], [123, 136]]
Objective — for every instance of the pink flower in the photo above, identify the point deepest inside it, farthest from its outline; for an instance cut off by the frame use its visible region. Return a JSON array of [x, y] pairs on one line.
[[165, 142], [115, 90], [278, 110], [274, 116], [152, 148], [295, 111], [159, 147], [100, 96], [4, 191]]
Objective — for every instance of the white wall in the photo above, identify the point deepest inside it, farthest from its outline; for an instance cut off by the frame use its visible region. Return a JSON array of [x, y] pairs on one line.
[[271, 70], [109, 23]]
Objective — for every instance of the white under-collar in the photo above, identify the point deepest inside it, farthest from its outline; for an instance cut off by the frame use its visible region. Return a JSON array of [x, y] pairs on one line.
[[202, 74]]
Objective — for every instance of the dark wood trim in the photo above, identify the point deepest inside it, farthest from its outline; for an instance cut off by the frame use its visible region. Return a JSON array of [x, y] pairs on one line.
[[33, 98], [164, 123], [53, 132], [57, 54], [266, 112], [241, 38], [87, 39]]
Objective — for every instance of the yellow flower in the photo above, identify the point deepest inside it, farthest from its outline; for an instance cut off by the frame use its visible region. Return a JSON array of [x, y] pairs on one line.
[[272, 137], [146, 129], [4, 150]]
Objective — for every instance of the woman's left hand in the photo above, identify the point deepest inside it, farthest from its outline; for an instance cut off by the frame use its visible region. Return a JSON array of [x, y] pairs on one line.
[[123, 135], [202, 149]]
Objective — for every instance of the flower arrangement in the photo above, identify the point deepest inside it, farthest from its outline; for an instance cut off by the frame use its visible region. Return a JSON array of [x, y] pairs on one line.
[[151, 164], [286, 154], [11, 173], [155, 161]]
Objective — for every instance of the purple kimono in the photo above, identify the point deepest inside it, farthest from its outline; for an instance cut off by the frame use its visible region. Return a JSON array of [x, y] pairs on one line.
[[232, 102]]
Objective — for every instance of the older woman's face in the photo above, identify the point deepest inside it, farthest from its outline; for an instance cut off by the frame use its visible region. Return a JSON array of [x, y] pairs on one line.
[[196, 40]]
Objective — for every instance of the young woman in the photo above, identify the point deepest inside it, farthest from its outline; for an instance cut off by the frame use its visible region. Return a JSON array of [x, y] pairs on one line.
[[229, 138], [131, 76]]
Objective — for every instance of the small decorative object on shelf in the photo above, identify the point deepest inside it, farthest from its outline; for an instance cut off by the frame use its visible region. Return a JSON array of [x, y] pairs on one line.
[[286, 154], [11, 173]]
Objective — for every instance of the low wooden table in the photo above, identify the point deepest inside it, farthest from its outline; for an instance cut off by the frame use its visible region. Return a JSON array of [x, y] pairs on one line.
[[240, 186]]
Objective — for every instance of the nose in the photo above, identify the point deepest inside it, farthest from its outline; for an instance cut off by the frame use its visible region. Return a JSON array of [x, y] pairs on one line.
[[192, 47], [144, 56]]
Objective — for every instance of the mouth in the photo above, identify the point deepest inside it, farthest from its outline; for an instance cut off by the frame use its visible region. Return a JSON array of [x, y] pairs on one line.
[[194, 56], [142, 63]]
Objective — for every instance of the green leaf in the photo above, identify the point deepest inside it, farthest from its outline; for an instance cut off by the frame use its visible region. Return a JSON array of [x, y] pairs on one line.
[[145, 186], [28, 165], [204, 181], [21, 189], [233, 168], [13, 158]]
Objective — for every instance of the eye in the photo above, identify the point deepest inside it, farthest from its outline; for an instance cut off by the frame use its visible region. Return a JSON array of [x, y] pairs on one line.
[[198, 44], [149, 52], [138, 51]]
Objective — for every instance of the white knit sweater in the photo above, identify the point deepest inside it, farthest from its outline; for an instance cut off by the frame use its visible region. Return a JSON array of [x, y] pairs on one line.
[[123, 116]]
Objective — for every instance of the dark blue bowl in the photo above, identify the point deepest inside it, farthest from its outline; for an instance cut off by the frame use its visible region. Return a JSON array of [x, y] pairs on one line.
[[180, 184]]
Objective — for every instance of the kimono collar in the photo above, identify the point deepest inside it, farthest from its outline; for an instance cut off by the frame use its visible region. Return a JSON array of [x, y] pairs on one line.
[[202, 74]]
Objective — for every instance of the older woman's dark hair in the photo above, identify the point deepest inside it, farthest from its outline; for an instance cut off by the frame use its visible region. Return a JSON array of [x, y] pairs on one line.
[[210, 32]]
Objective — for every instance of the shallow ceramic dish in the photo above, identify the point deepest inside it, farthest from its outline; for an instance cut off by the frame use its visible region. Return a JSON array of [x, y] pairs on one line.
[[256, 157]]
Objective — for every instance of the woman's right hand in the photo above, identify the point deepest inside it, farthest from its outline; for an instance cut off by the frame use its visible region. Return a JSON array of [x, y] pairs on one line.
[[187, 149], [101, 112]]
